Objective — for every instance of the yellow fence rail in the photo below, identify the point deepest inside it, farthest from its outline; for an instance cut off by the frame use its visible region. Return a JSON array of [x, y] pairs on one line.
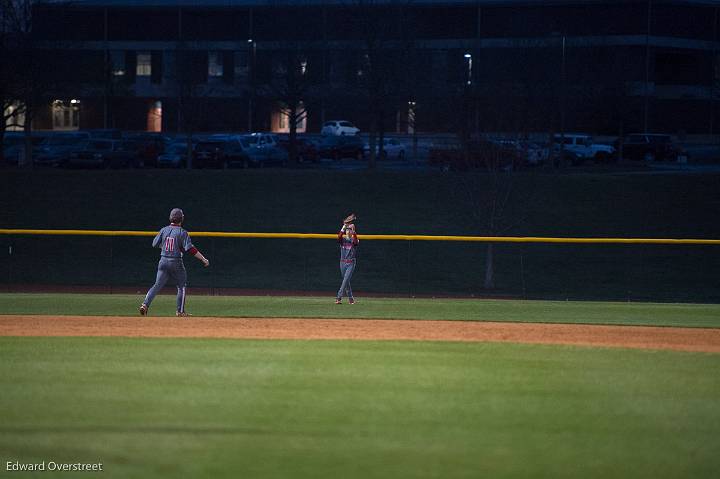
[[483, 239]]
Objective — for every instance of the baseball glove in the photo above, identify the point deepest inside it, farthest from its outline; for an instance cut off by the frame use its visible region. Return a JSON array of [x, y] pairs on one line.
[[350, 219]]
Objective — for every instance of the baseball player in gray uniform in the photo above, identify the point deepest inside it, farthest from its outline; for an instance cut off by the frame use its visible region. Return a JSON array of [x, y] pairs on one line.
[[347, 237], [173, 242]]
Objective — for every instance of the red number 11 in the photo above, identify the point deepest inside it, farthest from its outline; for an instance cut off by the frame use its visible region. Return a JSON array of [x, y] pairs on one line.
[[169, 244]]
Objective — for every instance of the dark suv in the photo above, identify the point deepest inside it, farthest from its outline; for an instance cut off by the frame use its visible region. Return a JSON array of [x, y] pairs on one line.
[[210, 154], [651, 147], [341, 146]]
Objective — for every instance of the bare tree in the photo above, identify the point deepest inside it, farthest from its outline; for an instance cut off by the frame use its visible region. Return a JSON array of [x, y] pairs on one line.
[[295, 86], [14, 38], [25, 81], [385, 64], [494, 194], [191, 89]]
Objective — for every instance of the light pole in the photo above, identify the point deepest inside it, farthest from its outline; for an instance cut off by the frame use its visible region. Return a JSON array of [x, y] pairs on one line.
[[468, 58], [646, 106], [412, 129], [562, 100], [466, 108], [252, 47], [470, 97]]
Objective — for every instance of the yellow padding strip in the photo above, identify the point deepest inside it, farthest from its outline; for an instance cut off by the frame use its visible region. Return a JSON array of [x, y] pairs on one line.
[[484, 239]]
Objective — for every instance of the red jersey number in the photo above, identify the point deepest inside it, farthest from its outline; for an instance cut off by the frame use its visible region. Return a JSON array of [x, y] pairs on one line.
[[170, 244]]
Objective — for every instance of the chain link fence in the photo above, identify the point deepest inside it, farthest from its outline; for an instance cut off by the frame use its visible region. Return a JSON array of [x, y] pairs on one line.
[[557, 271]]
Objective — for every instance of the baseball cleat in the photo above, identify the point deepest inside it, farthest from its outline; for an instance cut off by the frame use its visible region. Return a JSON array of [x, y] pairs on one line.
[[351, 300], [182, 314], [143, 309], [338, 301]]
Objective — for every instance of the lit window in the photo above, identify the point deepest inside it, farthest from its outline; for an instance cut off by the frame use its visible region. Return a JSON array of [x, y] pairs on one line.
[[215, 64], [14, 116], [281, 118], [144, 64], [66, 115]]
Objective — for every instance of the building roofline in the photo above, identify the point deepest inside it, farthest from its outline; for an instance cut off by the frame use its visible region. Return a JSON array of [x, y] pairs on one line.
[[305, 3]]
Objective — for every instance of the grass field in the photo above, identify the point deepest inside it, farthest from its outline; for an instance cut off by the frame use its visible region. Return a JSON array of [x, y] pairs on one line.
[[169, 408], [315, 409], [637, 314]]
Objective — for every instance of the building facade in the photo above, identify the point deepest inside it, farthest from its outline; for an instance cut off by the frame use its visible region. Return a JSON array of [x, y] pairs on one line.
[[604, 67]]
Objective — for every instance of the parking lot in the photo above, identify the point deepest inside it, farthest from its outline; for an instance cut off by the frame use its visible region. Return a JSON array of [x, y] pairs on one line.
[[117, 149]]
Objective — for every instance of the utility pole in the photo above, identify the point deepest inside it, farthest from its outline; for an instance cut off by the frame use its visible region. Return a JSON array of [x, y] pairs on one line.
[[647, 67], [563, 87]]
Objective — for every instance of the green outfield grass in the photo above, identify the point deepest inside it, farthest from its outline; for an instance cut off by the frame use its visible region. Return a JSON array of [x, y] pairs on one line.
[[149, 408], [649, 314]]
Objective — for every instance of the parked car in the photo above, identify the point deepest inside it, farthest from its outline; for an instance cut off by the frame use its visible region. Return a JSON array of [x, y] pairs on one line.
[[55, 150], [104, 154], [450, 154], [339, 127], [651, 147], [533, 153], [584, 148], [265, 150], [241, 150], [105, 133], [174, 156], [129, 151], [210, 153], [306, 149], [444, 151], [339, 147], [150, 146], [265, 139], [14, 145], [392, 149]]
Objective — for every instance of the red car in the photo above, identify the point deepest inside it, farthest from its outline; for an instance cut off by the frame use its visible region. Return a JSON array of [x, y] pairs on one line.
[[306, 149]]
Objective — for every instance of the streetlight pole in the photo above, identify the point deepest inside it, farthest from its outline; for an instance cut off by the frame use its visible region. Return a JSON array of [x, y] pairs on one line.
[[468, 92], [468, 57], [412, 128], [647, 67], [466, 109], [251, 98], [562, 100]]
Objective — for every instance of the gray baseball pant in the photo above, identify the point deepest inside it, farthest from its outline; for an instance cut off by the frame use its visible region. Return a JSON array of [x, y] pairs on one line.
[[346, 271], [168, 269]]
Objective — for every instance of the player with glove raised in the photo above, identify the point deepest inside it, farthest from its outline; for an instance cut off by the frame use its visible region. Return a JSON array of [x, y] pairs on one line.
[[347, 237]]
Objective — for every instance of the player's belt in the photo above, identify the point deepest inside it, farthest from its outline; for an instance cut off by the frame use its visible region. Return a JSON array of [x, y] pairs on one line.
[[347, 260]]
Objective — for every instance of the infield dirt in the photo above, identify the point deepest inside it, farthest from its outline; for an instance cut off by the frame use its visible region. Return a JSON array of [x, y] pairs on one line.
[[680, 339]]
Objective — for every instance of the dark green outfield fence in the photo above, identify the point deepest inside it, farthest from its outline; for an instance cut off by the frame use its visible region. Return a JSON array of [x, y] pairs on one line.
[[569, 203], [540, 268]]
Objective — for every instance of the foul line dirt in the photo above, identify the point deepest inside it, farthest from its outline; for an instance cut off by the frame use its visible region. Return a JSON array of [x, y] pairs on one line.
[[679, 339]]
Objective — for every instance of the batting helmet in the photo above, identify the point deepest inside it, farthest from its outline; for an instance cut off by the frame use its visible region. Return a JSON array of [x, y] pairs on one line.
[[176, 216]]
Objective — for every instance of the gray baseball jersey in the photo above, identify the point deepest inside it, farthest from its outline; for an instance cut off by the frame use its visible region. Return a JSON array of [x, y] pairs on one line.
[[348, 255], [173, 241], [347, 247]]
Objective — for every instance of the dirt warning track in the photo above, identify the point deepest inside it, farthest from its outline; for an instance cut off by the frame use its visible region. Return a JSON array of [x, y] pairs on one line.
[[681, 339]]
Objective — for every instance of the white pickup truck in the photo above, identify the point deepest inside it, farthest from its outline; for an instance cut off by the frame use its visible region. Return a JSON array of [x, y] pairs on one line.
[[582, 147]]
